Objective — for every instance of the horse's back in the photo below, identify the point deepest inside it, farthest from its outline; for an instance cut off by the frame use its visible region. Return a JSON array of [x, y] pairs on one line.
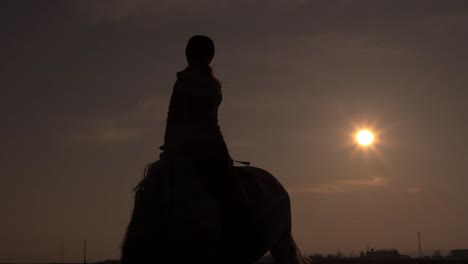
[[260, 185], [270, 207]]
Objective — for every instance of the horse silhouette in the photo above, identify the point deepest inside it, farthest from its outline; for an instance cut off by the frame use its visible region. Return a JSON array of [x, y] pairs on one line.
[[175, 219]]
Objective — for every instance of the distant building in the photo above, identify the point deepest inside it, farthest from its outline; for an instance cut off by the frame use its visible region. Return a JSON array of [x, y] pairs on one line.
[[381, 254], [459, 254]]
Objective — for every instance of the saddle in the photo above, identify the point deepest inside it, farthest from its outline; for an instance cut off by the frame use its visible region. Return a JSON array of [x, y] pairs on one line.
[[167, 154]]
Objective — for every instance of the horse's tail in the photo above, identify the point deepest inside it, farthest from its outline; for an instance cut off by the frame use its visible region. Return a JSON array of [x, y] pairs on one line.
[[127, 246], [286, 251], [300, 257], [132, 246]]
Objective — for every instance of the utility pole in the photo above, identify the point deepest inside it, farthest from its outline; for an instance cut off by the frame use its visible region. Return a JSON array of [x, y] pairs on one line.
[[420, 248], [61, 253], [84, 253]]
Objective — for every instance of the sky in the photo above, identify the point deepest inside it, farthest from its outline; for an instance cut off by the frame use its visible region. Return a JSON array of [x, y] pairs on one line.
[[85, 87]]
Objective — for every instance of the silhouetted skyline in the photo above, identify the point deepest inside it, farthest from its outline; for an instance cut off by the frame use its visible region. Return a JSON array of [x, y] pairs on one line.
[[85, 91]]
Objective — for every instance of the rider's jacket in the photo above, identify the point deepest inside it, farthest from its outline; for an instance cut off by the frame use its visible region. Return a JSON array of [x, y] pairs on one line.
[[192, 120]]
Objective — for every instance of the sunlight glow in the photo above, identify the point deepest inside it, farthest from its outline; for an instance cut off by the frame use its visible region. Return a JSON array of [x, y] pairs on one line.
[[364, 137]]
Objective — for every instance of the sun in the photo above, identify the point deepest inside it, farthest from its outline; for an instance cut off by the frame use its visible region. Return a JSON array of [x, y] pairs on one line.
[[365, 137]]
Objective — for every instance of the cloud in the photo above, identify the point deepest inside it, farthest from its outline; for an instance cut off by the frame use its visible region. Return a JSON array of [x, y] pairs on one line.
[[130, 125], [447, 23], [344, 3], [97, 11], [414, 190], [343, 186]]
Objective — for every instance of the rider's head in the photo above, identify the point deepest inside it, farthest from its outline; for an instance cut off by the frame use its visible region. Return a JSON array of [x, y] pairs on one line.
[[199, 51]]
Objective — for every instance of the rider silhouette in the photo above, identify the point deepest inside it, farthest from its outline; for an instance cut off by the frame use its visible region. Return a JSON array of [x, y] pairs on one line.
[[192, 132]]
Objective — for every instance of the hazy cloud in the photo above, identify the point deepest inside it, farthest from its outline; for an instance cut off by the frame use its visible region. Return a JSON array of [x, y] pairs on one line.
[[127, 126], [344, 3], [447, 23], [96, 11], [413, 190], [343, 186]]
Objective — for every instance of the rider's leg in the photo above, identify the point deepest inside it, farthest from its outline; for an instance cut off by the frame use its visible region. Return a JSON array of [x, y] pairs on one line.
[[224, 185], [233, 206], [229, 193]]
